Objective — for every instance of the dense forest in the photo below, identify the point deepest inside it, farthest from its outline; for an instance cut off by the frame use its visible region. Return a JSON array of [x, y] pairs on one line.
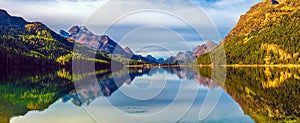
[[19, 47], [35, 45], [267, 34]]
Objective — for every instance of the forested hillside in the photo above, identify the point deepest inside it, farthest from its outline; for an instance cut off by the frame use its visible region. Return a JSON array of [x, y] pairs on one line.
[[25, 43], [267, 34]]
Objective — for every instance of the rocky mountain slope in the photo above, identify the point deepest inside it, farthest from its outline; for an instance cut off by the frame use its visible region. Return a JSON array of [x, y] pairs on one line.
[[189, 56], [128, 50], [267, 34], [102, 43]]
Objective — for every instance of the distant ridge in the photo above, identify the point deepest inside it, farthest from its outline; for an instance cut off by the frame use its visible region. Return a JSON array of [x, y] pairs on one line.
[[189, 56]]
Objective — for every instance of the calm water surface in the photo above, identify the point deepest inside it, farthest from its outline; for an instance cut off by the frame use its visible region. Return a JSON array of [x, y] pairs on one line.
[[182, 95]]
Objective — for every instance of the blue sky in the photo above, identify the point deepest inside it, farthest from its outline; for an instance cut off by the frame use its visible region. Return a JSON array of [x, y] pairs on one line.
[[152, 39]]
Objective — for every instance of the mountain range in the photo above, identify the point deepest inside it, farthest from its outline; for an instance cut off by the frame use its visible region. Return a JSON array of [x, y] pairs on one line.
[[267, 34], [34, 44], [189, 56], [103, 43]]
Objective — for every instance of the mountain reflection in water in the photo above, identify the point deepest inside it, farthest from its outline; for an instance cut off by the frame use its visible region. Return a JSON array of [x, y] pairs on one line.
[[110, 82], [265, 94]]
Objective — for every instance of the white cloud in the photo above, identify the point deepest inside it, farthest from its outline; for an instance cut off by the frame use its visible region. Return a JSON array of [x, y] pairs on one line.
[[57, 14], [225, 14]]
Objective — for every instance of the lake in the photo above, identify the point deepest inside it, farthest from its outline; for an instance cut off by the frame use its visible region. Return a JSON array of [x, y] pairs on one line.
[[159, 94]]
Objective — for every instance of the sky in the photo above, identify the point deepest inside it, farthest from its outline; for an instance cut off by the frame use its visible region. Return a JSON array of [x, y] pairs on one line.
[[158, 27]]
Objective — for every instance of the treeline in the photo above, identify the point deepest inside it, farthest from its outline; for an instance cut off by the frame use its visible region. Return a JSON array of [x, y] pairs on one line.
[[22, 48]]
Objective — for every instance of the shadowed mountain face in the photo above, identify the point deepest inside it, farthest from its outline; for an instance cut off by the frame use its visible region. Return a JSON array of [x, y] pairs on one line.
[[170, 60], [274, 2], [6, 19], [159, 61]]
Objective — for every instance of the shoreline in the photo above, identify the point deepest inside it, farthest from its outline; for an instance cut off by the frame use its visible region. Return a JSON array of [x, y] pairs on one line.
[[227, 65], [264, 65], [166, 65], [255, 65]]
